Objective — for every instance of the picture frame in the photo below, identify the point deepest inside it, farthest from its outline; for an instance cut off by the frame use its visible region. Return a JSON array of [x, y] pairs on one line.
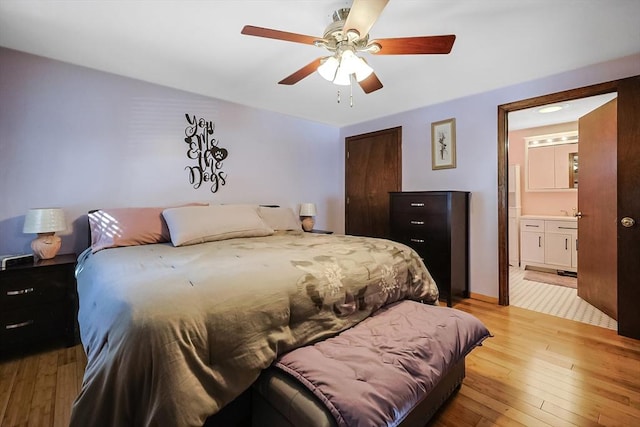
[[443, 144]]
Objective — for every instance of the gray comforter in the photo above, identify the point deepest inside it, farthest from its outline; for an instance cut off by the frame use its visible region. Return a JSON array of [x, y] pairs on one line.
[[173, 334]]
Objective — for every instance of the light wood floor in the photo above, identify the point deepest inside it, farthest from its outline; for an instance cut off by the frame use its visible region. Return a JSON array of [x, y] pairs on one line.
[[536, 370]]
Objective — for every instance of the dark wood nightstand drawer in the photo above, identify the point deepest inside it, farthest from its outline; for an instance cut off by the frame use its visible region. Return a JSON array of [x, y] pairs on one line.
[[41, 322], [20, 288], [38, 305]]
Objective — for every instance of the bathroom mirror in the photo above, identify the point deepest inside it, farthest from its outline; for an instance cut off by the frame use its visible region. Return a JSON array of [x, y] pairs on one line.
[[573, 170]]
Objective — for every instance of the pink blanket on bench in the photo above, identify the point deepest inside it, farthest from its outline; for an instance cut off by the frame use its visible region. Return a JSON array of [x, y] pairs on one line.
[[376, 372]]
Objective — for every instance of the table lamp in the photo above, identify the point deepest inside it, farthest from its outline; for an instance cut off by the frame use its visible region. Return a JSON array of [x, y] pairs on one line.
[[307, 214], [45, 222]]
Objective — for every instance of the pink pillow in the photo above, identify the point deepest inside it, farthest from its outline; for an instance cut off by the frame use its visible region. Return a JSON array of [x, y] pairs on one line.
[[116, 227]]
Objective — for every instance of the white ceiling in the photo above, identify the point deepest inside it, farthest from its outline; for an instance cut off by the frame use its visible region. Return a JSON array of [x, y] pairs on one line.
[[197, 46], [571, 111]]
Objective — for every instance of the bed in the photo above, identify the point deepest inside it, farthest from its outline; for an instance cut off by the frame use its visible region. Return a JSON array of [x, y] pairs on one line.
[[182, 308]]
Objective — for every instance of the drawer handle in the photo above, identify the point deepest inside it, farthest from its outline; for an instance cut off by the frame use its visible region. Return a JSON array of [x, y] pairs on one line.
[[417, 240], [19, 325], [19, 292], [417, 205], [529, 225], [567, 228], [417, 222]]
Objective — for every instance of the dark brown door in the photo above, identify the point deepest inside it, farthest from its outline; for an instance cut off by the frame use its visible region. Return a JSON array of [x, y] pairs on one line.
[[597, 199], [373, 168], [628, 207]]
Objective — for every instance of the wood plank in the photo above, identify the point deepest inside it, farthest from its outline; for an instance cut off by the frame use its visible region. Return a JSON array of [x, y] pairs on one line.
[[66, 391], [8, 373], [42, 403], [19, 404]]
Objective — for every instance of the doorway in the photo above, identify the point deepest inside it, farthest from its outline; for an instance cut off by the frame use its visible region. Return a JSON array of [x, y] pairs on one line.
[[628, 198], [544, 144]]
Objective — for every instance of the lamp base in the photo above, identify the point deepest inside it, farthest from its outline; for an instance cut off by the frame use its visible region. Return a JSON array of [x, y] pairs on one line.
[[46, 245], [307, 223]]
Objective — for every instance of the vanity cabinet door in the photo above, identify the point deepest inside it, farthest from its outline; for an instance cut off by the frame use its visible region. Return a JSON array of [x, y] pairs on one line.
[[558, 249], [531, 242]]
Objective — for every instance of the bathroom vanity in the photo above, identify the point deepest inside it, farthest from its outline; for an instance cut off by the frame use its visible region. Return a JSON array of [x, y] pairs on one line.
[[549, 241]]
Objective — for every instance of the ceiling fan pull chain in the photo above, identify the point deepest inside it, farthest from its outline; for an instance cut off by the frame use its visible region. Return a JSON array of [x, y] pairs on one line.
[[351, 90]]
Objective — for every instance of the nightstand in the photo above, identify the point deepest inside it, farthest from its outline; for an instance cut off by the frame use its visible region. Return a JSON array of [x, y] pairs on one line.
[[321, 232], [38, 305]]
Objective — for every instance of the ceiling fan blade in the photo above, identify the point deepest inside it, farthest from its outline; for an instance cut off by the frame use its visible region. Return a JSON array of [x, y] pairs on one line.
[[363, 14], [415, 45], [301, 73], [371, 83], [250, 30]]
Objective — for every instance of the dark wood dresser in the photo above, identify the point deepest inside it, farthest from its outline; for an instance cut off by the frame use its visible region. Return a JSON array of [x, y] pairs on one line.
[[38, 305], [436, 225]]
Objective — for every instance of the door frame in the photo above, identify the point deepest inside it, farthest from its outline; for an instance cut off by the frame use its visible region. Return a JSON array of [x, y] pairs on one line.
[[503, 167], [629, 132]]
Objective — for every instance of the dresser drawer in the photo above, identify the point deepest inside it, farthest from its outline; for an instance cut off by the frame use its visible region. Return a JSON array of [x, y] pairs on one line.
[[22, 288], [42, 322], [414, 223], [419, 204]]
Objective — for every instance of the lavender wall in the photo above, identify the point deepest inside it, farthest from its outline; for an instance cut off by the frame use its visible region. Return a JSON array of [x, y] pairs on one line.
[[477, 153], [79, 139]]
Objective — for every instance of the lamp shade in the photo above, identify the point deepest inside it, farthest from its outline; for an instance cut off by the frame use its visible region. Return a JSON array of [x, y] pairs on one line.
[[307, 209], [47, 220]]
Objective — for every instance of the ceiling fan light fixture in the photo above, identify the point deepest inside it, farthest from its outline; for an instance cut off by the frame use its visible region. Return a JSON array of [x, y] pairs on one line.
[[328, 68], [362, 69], [350, 64], [343, 77]]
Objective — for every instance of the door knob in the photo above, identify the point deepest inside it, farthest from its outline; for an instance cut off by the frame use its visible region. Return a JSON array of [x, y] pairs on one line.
[[627, 222], [578, 215]]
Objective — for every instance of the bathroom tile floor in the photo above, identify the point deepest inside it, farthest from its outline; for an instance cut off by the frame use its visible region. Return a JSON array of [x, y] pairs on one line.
[[555, 300]]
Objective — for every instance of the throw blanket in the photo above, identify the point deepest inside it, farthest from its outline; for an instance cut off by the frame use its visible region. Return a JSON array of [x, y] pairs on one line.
[[375, 373], [172, 334]]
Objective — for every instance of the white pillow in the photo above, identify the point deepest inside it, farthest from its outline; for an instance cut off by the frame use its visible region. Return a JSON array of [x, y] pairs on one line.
[[190, 225], [280, 218]]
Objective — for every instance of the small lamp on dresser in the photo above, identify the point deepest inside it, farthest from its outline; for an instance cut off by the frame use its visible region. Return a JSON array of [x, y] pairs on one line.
[[45, 222], [307, 215]]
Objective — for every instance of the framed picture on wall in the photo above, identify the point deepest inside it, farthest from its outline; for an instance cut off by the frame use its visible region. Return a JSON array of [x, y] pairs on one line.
[[443, 144]]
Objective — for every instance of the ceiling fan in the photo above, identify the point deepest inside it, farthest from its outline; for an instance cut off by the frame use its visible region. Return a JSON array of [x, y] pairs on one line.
[[348, 35]]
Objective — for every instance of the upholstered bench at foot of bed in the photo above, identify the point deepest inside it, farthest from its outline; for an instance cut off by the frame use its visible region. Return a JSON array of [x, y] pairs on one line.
[[279, 400], [304, 387]]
